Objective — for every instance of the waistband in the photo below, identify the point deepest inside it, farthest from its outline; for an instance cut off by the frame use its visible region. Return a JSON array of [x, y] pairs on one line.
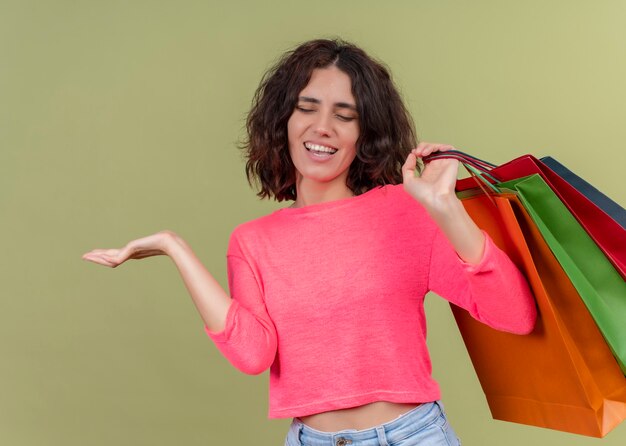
[[412, 421]]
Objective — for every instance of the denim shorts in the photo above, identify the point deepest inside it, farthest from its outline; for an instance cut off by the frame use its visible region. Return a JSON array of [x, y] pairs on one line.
[[425, 425]]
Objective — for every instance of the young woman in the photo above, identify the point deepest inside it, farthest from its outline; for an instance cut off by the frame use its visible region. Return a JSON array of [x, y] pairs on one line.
[[328, 292]]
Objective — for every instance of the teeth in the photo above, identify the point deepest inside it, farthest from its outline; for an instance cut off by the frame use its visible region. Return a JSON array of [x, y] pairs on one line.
[[318, 148]]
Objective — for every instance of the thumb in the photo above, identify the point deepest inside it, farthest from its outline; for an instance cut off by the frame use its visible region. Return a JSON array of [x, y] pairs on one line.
[[409, 166]]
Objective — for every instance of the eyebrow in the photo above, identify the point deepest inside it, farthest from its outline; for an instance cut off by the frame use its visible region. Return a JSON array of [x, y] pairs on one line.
[[337, 104]]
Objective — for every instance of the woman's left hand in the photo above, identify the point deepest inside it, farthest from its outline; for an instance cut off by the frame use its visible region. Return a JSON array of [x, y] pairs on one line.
[[434, 189], [435, 186]]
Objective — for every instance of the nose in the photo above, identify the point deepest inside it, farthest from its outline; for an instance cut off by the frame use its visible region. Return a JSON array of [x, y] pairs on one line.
[[323, 124]]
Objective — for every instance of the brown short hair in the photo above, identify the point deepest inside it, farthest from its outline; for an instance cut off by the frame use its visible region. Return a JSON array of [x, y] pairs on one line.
[[386, 129]]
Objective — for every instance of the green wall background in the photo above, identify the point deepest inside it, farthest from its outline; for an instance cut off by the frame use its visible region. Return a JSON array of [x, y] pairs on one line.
[[120, 118]]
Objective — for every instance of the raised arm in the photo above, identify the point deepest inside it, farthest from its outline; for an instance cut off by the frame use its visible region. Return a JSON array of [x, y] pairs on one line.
[[239, 327], [434, 189], [208, 296], [466, 267]]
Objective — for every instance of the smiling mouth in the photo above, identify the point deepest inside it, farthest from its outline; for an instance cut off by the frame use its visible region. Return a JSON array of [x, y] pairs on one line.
[[319, 149]]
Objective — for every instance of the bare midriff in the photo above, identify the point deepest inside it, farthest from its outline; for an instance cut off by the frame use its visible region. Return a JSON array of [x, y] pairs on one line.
[[361, 417]]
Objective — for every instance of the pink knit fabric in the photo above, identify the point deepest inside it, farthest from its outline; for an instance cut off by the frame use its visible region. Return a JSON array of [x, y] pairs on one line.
[[330, 297]]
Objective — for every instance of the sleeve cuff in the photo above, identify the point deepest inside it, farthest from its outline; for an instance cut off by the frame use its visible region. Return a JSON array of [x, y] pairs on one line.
[[482, 265], [224, 335]]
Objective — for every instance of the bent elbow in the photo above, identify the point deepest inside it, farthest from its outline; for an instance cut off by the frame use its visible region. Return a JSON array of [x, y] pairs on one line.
[[256, 365], [526, 311], [530, 322], [514, 323], [526, 325], [259, 356], [253, 369]]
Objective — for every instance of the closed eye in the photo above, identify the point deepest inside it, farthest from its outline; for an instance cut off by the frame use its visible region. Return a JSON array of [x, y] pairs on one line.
[[304, 109], [346, 118]]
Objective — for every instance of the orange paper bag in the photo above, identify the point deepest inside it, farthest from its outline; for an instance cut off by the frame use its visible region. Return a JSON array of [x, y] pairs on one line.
[[563, 375]]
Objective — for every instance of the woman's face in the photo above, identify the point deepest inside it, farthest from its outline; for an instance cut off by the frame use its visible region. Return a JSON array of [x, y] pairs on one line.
[[323, 129]]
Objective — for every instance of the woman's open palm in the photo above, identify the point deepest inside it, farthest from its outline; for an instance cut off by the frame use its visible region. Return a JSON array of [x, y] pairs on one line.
[[152, 245]]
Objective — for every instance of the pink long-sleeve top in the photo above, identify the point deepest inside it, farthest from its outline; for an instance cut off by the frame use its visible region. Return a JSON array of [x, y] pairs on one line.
[[330, 297]]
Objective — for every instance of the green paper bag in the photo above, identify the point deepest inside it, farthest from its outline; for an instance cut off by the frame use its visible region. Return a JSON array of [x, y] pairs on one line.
[[600, 286]]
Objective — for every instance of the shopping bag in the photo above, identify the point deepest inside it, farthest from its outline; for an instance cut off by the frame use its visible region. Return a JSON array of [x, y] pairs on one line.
[[562, 376], [611, 208], [604, 230], [598, 283], [600, 286]]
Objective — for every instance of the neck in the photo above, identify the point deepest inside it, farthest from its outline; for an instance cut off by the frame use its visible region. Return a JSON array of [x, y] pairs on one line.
[[313, 193]]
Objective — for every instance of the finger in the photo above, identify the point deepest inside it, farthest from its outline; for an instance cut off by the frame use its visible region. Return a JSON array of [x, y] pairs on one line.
[[443, 148], [121, 255], [111, 260], [100, 260], [90, 256], [101, 257], [426, 148], [432, 148], [410, 162], [423, 148], [103, 251], [408, 168]]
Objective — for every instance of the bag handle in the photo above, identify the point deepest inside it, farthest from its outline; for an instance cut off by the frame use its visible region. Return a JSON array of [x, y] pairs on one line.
[[477, 168], [461, 156]]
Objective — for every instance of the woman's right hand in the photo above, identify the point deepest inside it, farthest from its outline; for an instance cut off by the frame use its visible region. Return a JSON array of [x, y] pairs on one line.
[[152, 245]]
